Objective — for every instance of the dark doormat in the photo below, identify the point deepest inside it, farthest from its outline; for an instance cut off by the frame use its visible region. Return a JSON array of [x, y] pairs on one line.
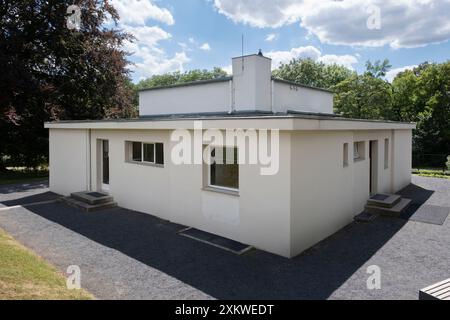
[[426, 214], [215, 240]]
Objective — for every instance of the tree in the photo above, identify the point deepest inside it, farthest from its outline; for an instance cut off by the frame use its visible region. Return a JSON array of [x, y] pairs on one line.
[[313, 73], [51, 72], [363, 97], [378, 69], [180, 77]]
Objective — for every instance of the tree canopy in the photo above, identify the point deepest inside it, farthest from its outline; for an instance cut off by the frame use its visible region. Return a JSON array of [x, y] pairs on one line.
[[51, 72]]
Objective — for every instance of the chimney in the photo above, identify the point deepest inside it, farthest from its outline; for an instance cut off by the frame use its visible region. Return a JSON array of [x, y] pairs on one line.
[[252, 76]]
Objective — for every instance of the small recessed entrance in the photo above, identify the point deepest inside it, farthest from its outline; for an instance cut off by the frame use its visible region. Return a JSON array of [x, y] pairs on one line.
[[373, 164], [105, 165]]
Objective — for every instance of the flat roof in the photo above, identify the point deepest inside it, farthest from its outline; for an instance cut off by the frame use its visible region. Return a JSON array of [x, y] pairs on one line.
[[187, 84], [292, 120]]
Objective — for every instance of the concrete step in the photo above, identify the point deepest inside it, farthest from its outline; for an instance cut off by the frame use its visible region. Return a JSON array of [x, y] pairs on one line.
[[92, 197], [384, 200], [395, 211], [88, 207], [365, 217]]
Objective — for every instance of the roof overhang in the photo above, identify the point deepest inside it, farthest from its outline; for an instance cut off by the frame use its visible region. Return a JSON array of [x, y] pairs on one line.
[[257, 122]]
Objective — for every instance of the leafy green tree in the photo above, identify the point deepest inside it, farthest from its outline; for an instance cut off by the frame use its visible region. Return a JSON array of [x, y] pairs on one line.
[[313, 73], [378, 69], [180, 77], [363, 97], [51, 72]]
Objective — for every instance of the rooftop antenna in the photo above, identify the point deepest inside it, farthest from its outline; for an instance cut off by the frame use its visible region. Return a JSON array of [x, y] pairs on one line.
[[242, 56]]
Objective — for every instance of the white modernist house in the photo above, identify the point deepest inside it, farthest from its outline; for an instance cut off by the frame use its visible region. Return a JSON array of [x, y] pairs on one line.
[[328, 166]]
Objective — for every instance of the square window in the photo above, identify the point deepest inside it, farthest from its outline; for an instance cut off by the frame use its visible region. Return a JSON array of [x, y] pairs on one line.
[[137, 151], [149, 152], [224, 170]]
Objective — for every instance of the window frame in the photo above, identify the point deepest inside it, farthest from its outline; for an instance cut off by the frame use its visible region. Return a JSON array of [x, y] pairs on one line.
[[361, 153], [129, 153], [154, 152], [345, 157], [209, 165], [387, 145]]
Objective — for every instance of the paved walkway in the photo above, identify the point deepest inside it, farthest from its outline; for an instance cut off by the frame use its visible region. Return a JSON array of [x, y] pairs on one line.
[[130, 255]]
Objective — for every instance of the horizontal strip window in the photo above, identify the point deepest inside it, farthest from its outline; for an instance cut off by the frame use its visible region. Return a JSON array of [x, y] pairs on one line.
[[144, 152]]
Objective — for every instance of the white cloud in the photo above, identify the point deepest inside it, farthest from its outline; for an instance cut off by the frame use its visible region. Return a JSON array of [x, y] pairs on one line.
[[345, 60], [146, 51], [311, 52], [137, 12], [271, 37], [147, 36], [390, 75], [404, 23], [228, 69], [191, 40], [205, 47]]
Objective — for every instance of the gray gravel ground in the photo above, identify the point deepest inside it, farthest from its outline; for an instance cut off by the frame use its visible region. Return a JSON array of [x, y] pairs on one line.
[[129, 255]]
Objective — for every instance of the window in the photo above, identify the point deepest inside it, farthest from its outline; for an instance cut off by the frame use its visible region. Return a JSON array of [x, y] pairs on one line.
[[137, 151], [224, 168], [359, 150], [345, 155], [147, 153], [386, 153]]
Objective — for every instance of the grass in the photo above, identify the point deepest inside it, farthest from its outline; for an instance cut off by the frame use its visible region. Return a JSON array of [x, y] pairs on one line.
[[19, 175], [26, 276], [433, 173]]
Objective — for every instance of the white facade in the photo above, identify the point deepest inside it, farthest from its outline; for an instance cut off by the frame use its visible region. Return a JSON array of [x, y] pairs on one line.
[[321, 184]]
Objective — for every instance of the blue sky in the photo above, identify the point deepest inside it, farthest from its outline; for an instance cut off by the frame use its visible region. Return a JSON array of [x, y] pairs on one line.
[[182, 35]]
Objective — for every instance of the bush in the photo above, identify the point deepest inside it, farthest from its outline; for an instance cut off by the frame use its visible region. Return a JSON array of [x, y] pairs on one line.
[[448, 163]]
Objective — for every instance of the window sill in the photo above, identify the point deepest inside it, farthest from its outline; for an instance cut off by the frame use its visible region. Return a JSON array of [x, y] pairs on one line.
[[359, 160], [220, 190], [147, 164]]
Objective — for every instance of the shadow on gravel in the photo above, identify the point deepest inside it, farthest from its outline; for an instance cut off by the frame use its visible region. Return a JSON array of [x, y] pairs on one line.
[[23, 187], [40, 197], [315, 274]]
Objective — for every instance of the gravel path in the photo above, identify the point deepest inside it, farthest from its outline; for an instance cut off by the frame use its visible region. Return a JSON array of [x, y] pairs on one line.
[[129, 255]]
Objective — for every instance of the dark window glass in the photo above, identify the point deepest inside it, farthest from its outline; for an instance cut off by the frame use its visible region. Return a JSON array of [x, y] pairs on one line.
[[149, 152], [137, 151], [159, 153], [225, 171]]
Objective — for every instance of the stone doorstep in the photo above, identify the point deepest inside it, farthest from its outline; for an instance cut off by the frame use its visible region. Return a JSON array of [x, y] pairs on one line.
[[390, 201], [395, 211], [88, 207], [90, 199]]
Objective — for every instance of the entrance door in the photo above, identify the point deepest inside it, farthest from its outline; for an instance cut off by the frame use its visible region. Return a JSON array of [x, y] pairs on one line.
[[105, 165], [373, 161]]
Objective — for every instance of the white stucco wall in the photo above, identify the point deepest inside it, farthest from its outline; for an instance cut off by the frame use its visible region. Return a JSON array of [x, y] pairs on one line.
[[402, 158], [68, 161], [298, 98], [325, 194], [259, 216], [312, 196], [208, 97], [252, 83]]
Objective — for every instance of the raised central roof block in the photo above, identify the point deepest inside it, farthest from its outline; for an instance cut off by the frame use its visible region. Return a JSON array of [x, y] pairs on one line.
[[251, 88]]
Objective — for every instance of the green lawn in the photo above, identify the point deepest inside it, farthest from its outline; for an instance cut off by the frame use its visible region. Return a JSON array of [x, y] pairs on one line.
[[24, 275], [17, 175], [432, 172]]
